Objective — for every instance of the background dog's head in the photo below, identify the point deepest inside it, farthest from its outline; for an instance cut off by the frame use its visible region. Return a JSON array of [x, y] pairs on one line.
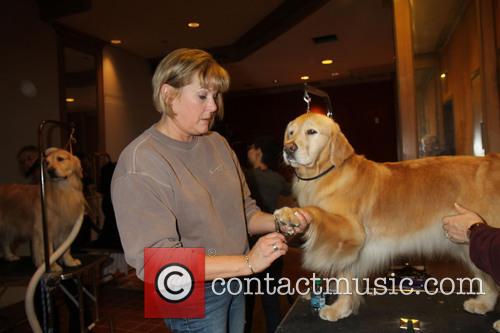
[[61, 164], [314, 141]]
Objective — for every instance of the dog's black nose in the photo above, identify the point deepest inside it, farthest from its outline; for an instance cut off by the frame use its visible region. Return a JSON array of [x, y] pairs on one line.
[[52, 172], [290, 148]]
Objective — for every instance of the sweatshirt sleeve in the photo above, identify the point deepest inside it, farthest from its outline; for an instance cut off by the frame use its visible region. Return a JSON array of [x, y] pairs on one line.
[[250, 205], [484, 250], [144, 216]]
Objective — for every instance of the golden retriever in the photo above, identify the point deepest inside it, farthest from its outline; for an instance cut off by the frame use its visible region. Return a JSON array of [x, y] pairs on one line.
[[20, 211], [367, 213]]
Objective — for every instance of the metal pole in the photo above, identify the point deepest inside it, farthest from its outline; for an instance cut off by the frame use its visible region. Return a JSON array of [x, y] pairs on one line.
[[320, 93], [45, 229]]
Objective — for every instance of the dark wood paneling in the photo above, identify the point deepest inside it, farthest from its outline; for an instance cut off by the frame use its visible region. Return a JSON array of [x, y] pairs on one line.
[[356, 108]]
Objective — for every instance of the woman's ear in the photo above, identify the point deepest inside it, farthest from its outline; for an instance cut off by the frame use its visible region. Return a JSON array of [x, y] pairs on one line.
[[167, 93]]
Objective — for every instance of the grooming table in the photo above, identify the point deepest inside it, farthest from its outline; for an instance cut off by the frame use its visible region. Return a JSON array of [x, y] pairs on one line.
[[91, 265], [438, 313]]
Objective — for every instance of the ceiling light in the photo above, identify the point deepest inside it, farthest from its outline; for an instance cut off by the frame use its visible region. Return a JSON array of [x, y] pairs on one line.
[[275, 81], [443, 75], [193, 25], [335, 74], [304, 77], [115, 41], [70, 99], [327, 61]]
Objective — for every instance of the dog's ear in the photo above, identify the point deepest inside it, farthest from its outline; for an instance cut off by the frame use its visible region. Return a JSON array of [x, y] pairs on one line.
[[78, 166], [340, 148]]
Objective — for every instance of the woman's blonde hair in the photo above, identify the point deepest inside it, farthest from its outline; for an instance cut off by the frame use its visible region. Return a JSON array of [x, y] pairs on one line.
[[178, 68]]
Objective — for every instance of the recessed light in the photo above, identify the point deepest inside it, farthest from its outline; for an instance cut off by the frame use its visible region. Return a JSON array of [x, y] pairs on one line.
[[70, 99], [115, 41], [443, 75], [194, 25], [304, 77], [327, 61], [276, 81], [335, 74]]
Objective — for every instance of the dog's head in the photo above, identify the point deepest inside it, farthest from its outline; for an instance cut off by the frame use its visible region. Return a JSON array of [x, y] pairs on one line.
[[314, 141], [61, 164]]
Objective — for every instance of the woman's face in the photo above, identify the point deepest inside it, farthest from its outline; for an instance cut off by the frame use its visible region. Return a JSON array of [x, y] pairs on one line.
[[195, 108]]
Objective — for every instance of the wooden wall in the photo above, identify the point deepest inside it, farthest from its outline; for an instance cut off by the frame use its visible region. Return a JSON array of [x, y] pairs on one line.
[[460, 58]]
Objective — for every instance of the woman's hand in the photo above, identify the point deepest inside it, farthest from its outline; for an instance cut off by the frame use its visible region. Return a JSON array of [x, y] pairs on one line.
[[456, 227], [267, 249]]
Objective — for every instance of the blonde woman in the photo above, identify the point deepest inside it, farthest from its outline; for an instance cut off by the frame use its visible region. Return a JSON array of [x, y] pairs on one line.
[[180, 185]]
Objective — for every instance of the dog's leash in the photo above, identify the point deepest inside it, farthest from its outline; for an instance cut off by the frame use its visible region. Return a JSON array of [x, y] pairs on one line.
[[71, 141]]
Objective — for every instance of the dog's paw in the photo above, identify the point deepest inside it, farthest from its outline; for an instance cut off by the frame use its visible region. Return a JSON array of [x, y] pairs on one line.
[[55, 267], [11, 257], [475, 305], [496, 325], [72, 262], [287, 219], [335, 312]]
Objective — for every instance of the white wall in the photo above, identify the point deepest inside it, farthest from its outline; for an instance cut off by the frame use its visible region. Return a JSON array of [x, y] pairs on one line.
[[128, 103], [29, 52]]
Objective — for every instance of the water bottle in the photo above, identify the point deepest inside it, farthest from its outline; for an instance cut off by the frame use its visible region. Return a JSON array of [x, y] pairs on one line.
[[318, 299]]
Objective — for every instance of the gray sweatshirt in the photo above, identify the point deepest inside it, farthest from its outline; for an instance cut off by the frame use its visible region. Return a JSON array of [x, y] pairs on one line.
[[168, 193]]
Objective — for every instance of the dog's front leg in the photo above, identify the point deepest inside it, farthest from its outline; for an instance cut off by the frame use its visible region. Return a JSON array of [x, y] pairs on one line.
[[334, 238], [348, 300], [333, 243], [38, 251], [69, 261]]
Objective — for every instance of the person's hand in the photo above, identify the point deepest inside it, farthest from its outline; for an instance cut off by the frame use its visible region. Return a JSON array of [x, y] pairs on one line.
[[267, 249], [456, 227], [292, 220]]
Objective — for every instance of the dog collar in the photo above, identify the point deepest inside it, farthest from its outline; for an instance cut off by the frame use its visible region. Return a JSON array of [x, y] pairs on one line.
[[315, 177]]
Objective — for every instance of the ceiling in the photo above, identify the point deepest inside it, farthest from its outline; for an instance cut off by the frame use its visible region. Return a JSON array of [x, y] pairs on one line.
[[262, 43]]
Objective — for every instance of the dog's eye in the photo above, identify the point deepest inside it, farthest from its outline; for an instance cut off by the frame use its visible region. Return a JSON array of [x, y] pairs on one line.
[[60, 159], [311, 132], [290, 133]]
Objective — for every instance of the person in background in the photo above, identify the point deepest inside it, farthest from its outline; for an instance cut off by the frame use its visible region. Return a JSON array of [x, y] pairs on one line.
[[266, 186], [484, 240], [180, 185], [28, 163]]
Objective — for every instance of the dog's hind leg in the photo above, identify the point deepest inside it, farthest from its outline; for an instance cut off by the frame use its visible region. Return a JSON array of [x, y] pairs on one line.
[[486, 301]]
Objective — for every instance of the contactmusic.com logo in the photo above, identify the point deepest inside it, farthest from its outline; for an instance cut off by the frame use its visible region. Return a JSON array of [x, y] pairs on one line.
[[174, 283]]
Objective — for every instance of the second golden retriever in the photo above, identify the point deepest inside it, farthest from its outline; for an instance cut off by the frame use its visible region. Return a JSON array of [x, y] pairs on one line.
[[367, 213], [20, 211]]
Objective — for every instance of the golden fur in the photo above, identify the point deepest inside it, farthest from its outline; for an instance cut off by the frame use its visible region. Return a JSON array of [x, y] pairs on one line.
[[20, 211], [367, 213]]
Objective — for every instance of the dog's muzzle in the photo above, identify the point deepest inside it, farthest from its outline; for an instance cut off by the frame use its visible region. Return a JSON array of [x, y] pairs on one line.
[[53, 174], [290, 149]]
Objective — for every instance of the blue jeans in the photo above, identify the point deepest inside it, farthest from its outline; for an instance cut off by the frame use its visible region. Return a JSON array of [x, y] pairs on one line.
[[223, 313]]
